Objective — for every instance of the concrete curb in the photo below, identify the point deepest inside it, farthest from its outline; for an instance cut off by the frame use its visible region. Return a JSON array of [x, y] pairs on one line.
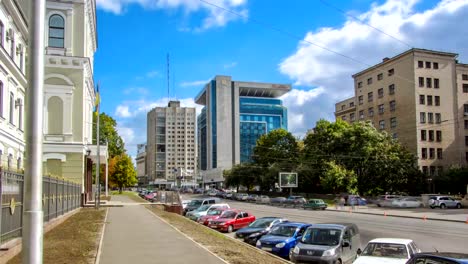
[[198, 244], [98, 255], [233, 239], [400, 216]]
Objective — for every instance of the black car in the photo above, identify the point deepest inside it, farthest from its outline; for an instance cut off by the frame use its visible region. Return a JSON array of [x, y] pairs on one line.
[[439, 258], [258, 228]]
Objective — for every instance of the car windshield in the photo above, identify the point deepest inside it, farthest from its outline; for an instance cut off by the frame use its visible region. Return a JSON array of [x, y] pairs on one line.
[[228, 214], [286, 231], [387, 250], [261, 223], [214, 212], [203, 208], [195, 203], [319, 236]]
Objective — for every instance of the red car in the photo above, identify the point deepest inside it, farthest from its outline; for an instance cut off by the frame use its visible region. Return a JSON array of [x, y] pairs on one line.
[[231, 220], [211, 215]]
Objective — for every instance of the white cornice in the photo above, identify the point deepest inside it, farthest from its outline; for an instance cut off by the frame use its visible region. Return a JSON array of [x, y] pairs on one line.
[[90, 10], [17, 18]]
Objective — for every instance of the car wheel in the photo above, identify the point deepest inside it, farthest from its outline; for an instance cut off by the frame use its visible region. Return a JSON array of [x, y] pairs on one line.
[[230, 229], [378, 205], [458, 206], [338, 261], [323, 208], [432, 207], [443, 206]]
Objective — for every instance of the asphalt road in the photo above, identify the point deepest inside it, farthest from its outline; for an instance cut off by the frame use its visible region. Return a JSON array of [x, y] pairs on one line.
[[428, 235]]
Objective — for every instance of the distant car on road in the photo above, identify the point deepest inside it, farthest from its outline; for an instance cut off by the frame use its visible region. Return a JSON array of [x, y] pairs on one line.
[[315, 204], [439, 258], [387, 250], [407, 202], [195, 203], [262, 199], [444, 202], [386, 200], [231, 220], [204, 209], [258, 228], [295, 200], [277, 200], [252, 197], [282, 238]]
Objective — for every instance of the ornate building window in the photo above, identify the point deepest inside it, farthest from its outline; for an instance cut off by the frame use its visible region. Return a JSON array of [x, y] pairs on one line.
[[56, 31]]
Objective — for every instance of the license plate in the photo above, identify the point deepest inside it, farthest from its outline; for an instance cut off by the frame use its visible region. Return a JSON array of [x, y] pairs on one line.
[[213, 226], [267, 249]]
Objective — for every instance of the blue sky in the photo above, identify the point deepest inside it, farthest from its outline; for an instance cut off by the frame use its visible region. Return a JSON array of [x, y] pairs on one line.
[[204, 41]]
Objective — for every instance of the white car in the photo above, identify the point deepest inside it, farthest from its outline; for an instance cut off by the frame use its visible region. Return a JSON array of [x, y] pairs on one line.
[[203, 210], [185, 202], [388, 251], [407, 202]]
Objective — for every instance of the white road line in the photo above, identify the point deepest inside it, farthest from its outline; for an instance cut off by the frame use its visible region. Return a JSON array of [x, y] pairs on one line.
[[98, 255]]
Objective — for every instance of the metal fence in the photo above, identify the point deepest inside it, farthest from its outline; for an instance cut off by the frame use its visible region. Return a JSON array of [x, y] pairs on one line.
[[59, 197]]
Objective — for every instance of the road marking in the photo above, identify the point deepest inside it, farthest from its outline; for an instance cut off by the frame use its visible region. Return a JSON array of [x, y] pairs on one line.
[[98, 255], [176, 229]]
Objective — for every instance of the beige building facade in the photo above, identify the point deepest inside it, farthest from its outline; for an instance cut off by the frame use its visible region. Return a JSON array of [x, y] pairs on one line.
[[171, 148], [419, 99]]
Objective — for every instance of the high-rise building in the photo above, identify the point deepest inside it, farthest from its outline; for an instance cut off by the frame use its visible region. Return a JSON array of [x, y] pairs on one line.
[[235, 115], [419, 97], [171, 148], [142, 172]]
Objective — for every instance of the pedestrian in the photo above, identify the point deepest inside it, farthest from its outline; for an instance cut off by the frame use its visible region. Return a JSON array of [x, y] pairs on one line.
[[352, 202], [342, 203]]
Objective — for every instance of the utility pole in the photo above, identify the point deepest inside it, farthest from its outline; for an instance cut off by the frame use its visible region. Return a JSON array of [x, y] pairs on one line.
[[33, 215]]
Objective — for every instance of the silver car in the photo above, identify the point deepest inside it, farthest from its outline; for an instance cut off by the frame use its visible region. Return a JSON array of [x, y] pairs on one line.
[[444, 202]]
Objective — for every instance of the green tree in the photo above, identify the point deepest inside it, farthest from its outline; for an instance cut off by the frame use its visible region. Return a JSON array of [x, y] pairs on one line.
[[124, 173], [108, 133], [454, 181], [337, 178]]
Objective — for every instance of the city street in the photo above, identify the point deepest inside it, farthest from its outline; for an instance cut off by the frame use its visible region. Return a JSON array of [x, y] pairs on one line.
[[428, 235]]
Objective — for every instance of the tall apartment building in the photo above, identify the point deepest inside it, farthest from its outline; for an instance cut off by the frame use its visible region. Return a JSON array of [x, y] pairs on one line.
[[142, 172], [13, 82], [171, 149], [235, 115], [419, 97]]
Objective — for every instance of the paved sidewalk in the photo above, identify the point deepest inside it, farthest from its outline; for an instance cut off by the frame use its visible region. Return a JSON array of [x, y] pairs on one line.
[[451, 215], [133, 235]]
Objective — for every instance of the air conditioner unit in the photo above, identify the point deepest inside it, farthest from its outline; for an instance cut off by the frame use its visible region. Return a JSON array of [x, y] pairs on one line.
[[9, 34], [19, 49]]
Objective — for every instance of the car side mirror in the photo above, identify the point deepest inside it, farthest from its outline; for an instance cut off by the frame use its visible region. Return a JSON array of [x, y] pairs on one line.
[[345, 244]]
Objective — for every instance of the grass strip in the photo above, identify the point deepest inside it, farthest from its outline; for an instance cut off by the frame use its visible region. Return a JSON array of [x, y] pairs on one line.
[[73, 241], [132, 195], [225, 247]]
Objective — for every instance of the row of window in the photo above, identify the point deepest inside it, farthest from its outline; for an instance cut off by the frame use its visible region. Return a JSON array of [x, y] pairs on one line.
[[465, 87], [18, 103], [429, 101], [430, 118], [370, 111], [425, 133], [393, 123], [9, 35], [380, 93], [428, 64], [427, 82], [379, 77], [432, 153], [431, 171], [465, 77]]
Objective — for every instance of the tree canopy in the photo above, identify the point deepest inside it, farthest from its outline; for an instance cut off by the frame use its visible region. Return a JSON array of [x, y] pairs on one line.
[[108, 133], [124, 174]]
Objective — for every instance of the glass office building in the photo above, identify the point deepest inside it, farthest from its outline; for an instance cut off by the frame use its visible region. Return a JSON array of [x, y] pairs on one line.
[[235, 115]]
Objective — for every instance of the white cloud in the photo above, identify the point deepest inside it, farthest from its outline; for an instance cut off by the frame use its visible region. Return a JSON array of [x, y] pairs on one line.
[[194, 83], [215, 16], [311, 66], [137, 90], [230, 65], [131, 119], [152, 74]]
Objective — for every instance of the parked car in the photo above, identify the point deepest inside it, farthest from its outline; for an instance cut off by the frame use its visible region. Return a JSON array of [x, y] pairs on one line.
[[328, 243], [212, 193], [282, 238], [386, 200], [355, 200], [315, 204], [229, 195], [150, 195], [439, 257], [277, 200], [258, 228], [252, 197], [195, 203], [242, 197], [185, 203], [387, 250], [262, 199], [231, 220], [295, 200], [203, 210], [407, 202], [211, 215], [198, 191], [444, 202]]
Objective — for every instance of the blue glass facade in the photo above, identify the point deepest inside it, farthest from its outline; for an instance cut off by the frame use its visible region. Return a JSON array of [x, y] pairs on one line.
[[258, 116], [214, 137], [201, 123]]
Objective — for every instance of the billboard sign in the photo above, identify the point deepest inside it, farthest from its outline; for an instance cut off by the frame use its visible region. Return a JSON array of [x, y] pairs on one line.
[[288, 179]]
